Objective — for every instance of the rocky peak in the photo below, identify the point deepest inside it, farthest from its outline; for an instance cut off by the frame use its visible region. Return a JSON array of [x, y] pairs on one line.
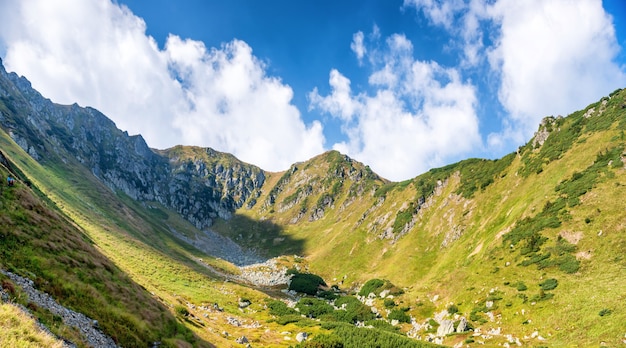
[[199, 183]]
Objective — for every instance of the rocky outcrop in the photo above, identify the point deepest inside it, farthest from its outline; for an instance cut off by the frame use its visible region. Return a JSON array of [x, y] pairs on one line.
[[445, 328], [462, 326], [199, 183]]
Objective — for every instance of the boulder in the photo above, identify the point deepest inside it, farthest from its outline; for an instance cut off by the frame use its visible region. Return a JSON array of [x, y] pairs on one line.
[[462, 327], [242, 340], [301, 336], [446, 328], [243, 303]]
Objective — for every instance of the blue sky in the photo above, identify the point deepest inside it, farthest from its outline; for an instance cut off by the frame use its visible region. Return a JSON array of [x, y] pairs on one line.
[[402, 86]]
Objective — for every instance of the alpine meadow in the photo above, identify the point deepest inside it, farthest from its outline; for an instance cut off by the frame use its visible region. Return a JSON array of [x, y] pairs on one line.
[[107, 242]]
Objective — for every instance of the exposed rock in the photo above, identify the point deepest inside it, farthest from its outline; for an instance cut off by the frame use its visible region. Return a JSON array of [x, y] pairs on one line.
[[243, 303], [445, 328], [79, 321], [242, 340], [198, 183], [265, 274], [301, 336], [544, 131], [462, 325]]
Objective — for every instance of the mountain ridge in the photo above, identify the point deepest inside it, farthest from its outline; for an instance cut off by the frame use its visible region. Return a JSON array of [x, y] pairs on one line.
[[471, 234]]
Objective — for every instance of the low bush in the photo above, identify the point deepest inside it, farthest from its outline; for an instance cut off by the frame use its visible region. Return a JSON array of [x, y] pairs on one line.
[[371, 286], [389, 303], [181, 310], [279, 308], [452, 309], [399, 315], [313, 307], [306, 283], [549, 284]]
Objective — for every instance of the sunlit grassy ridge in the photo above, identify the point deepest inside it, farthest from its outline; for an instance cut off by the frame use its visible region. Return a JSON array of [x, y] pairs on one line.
[[547, 211]]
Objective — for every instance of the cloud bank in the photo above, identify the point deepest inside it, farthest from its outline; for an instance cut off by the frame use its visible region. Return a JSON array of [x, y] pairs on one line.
[[549, 57], [98, 53], [418, 115], [540, 58]]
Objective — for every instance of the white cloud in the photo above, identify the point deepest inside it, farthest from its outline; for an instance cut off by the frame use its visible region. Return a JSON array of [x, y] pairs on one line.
[[550, 57], [553, 57], [440, 12], [357, 46], [97, 53], [418, 116]]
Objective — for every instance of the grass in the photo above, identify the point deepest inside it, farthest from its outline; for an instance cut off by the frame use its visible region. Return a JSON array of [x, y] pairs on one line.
[[576, 190], [20, 330], [550, 212]]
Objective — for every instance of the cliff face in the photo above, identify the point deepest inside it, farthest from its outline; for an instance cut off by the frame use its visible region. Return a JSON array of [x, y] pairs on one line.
[[200, 184]]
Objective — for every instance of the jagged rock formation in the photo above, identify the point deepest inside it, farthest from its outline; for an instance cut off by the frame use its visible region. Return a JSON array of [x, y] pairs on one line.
[[200, 184]]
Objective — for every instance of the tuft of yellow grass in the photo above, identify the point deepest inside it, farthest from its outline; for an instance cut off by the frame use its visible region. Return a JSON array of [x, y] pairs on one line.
[[19, 330]]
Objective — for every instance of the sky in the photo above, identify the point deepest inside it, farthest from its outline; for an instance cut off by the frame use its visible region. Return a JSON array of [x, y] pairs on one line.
[[400, 85]]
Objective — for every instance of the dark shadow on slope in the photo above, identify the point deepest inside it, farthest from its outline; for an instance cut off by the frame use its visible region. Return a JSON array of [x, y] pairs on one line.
[[261, 237]]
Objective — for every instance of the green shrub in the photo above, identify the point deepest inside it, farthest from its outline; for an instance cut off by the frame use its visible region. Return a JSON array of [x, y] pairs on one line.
[[306, 283], [181, 310], [313, 307], [288, 319], [399, 315], [604, 312], [521, 286], [568, 264], [382, 325], [354, 310], [389, 303], [542, 296], [549, 284], [328, 295], [372, 285], [322, 341], [452, 309], [279, 308]]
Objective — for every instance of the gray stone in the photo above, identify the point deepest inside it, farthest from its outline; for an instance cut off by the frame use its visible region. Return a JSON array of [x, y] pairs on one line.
[[462, 325], [301, 336], [445, 328]]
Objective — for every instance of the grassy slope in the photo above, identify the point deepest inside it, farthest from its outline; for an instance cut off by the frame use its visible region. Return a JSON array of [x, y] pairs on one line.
[[136, 238], [20, 331], [41, 243], [345, 243], [465, 270]]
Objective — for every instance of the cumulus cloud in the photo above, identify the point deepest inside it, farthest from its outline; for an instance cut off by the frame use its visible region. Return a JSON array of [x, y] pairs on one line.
[[553, 57], [550, 57], [97, 53], [418, 115], [357, 45], [440, 12]]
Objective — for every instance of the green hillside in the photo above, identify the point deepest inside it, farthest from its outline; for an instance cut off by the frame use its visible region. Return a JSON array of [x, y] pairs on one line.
[[465, 232], [528, 248]]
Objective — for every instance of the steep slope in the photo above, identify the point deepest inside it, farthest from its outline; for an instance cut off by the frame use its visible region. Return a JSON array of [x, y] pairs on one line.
[[143, 238], [39, 242]]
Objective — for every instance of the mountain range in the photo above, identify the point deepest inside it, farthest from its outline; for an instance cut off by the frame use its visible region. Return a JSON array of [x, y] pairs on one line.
[[189, 246]]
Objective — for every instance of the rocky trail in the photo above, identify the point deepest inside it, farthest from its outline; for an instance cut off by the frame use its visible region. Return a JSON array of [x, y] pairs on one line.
[[85, 325]]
